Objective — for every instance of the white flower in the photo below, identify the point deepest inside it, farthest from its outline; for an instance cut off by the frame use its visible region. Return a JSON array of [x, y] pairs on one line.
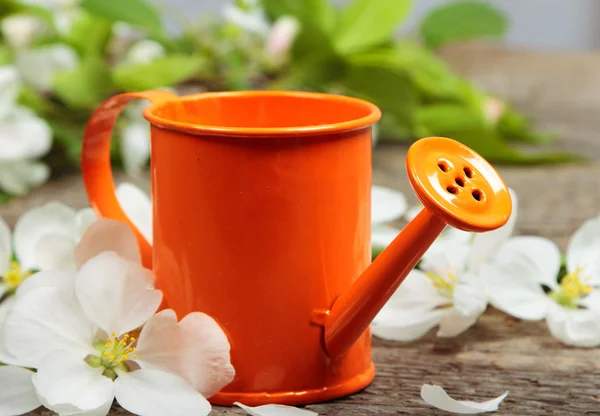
[[275, 410], [20, 30], [386, 205], [39, 66], [280, 40], [437, 397], [144, 51], [17, 395], [24, 137], [80, 336], [63, 12], [447, 290], [248, 15], [571, 308]]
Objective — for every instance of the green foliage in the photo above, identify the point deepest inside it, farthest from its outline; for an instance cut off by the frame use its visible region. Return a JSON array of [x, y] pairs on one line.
[[368, 23], [138, 13], [85, 86], [351, 49], [89, 35], [162, 72], [461, 20]]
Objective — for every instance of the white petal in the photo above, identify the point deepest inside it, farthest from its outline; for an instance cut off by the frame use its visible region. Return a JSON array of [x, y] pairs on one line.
[[583, 251], [9, 88], [516, 294], [66, 384], [386, 205], [137, 207], [135, 147], [454, 323], [19, 30], [116, 294], [39, 66], [437, 397], [399, 325], [144, 51], [46, 319], [63, 280], [416, 292], [591, 301], [23, 135], [17, 395], [84, 218], [17, 177], [5, 308], [108, 235], [486, 245], [275, 410], [157, 393], [252, 21], [447, 262], [5, 246], [55, 251], [195, 348], [470, 302], [535, 257], [575, 327], [52, 218], [382, 236]]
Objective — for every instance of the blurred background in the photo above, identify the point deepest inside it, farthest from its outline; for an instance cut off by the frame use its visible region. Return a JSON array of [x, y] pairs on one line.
[[475, 70], [540, 24]]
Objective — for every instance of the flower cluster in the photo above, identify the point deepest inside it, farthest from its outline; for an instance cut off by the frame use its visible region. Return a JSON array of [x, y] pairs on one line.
[[524, 276]]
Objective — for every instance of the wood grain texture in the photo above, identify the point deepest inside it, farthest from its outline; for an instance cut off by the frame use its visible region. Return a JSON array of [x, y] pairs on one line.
[[499, 353]]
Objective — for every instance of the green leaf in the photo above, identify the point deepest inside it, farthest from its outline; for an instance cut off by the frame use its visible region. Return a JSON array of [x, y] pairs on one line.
[[367, 23], [319, 13], [462, 20], [89, 34], [429, 74], [490, 145], [517, 127], [389, 89], [6, 55], [85, 86], [138, 13], [162, 72], [435, 119], [31, 98]]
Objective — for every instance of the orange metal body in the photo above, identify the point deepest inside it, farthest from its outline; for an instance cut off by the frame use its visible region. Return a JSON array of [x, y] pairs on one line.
[[262, 220]]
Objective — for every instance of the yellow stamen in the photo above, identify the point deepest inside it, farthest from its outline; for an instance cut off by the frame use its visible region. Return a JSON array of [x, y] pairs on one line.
[[15, 276], [444, 285]]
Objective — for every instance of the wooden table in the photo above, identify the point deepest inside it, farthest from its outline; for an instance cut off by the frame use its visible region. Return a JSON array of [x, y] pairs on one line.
[[499, 353]]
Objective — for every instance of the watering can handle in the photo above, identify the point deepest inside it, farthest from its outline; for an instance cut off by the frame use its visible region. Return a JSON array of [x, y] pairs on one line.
[[96, 166]]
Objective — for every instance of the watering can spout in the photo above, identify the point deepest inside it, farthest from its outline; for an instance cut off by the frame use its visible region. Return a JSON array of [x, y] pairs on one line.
[[458, 188]]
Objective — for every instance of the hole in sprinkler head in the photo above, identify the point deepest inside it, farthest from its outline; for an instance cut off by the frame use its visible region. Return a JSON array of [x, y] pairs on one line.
[[460, 182], [452, 189], [468, 172], [477, 195], [443, 166]]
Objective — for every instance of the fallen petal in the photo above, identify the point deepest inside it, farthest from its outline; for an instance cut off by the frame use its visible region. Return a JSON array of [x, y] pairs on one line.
[[275, 410], [437, 397]]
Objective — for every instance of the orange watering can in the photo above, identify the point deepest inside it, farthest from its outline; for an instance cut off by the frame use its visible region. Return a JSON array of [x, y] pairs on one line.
[[262, 220]]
